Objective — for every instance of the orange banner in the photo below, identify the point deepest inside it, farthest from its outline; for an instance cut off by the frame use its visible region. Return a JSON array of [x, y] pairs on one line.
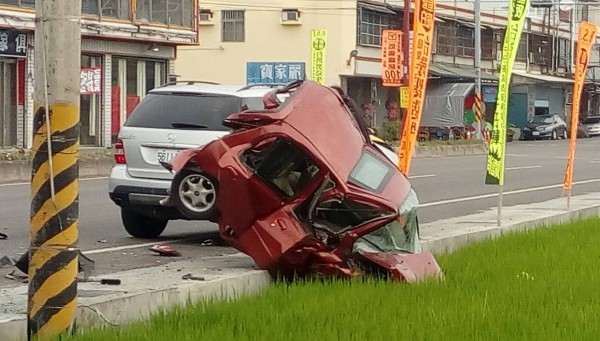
[[586, 37], [419, 70], [391, 57]]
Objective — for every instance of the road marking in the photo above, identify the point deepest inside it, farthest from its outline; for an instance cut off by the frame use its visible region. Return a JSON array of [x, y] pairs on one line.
[[493, 195], [517, 155], [595, 161], [29, 183], [128, 247], [422, 176], [522, 167]]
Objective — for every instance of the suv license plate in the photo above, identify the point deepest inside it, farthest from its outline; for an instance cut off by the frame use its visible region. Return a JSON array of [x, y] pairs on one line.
[[166, 155], [536, 133]]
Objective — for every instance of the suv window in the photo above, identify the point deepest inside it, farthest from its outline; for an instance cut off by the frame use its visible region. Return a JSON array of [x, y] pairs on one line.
[[187, 110], [371, 173]]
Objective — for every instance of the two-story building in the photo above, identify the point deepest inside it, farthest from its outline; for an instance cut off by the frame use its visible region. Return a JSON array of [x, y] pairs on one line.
[[127, 48], [239, 39]]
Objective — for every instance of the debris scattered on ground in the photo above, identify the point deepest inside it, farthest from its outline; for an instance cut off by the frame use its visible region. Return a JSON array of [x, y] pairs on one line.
[[165, 250], [13, 275], [192, 277], [3, 236], [102, 241], [103, 281], [7, 261]]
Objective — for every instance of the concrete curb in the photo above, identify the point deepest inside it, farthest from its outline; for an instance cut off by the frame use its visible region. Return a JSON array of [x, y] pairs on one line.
[[437, 239]]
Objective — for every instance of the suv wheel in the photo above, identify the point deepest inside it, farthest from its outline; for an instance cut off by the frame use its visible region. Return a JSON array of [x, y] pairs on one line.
[[554, 135], [565, 135], [194, 194], [141, 226]]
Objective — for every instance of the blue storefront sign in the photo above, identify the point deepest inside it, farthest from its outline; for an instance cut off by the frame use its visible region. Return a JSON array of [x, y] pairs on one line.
[[274, 72], [490, 93]]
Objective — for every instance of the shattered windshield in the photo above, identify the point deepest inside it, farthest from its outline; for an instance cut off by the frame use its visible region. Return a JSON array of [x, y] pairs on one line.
[[401, 235]]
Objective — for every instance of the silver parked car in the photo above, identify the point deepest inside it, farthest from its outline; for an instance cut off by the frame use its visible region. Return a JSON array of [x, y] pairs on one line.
[[169, 119], [591, 126]]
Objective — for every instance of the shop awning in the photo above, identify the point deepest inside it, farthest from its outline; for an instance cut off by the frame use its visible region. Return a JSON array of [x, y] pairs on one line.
[[449, 71], [381, 8], [445, 105], [543, 78]]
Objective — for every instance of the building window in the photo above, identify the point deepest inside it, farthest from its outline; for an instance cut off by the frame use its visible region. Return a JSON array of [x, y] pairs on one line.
[[466, 42], [168, 12], [371, 23], [538, 49], [563, 52], [488, 44], [233, 23], [522, 51], [446, 38], [106, 8], [19, 3]]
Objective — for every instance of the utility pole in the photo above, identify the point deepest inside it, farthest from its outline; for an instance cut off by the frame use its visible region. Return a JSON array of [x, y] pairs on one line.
[[478, 97], [406, 53], [53, 253]]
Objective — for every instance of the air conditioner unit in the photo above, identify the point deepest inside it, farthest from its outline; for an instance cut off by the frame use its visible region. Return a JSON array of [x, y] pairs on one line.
[[290, 15], [205, 15]]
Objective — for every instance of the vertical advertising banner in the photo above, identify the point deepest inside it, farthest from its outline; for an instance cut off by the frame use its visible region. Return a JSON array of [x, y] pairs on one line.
[[318, 47], [585, 40], [391, 58], [419, 71], [497, 149]]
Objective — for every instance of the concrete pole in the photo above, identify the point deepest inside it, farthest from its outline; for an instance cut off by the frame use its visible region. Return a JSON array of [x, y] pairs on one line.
[[54, 212], [478, 61], [406, 53], [572, 37]]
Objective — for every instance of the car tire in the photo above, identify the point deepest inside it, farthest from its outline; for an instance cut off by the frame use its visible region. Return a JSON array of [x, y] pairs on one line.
[[554, 135], [141, 226], [564, 135], [194, 194]]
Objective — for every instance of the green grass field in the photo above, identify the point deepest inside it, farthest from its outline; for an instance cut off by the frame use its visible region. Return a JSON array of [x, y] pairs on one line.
[[537, 285]]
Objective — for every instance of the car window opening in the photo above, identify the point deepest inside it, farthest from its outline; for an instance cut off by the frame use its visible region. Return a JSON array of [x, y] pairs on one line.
[[282, 165]]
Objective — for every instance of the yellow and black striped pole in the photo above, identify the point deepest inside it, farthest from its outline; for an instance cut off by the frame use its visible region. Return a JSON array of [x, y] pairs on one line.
[[54, 208]]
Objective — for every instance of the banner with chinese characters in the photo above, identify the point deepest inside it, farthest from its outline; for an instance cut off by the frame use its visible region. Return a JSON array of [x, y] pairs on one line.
[[13, 43], [417, 85], [583, 51], [391, 58], [318, 47], [91, 80], [274, 72], [495, 160]]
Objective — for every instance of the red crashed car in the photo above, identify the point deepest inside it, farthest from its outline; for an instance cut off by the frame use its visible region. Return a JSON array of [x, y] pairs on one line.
[[300, 188]]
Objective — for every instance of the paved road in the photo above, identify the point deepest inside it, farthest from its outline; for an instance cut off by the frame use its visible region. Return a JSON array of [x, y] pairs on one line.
[[446, 187]]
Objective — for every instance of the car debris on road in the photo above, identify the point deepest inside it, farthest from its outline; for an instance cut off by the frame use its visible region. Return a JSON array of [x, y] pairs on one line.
[[301, 189]]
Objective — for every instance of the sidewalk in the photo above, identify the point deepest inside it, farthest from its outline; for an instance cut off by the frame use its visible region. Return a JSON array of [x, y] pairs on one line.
[[145, 291]]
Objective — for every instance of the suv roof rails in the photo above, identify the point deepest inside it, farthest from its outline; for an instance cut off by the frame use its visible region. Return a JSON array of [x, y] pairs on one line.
[[270, 85], [190, 82]]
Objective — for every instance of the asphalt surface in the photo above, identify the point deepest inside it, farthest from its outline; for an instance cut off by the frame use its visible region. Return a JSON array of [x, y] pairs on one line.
[[447, 187]]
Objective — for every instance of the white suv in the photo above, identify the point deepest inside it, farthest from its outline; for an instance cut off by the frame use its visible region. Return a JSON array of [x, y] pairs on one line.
[[169, 119]]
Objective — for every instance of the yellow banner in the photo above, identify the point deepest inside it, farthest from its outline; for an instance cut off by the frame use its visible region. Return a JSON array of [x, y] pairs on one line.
[[391, 57], [517, 10], [417, 85], [318, 47], [404, 97], [585, 39]]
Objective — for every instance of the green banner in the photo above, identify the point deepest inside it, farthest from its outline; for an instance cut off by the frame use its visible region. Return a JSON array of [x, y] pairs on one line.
[[497, 150]]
